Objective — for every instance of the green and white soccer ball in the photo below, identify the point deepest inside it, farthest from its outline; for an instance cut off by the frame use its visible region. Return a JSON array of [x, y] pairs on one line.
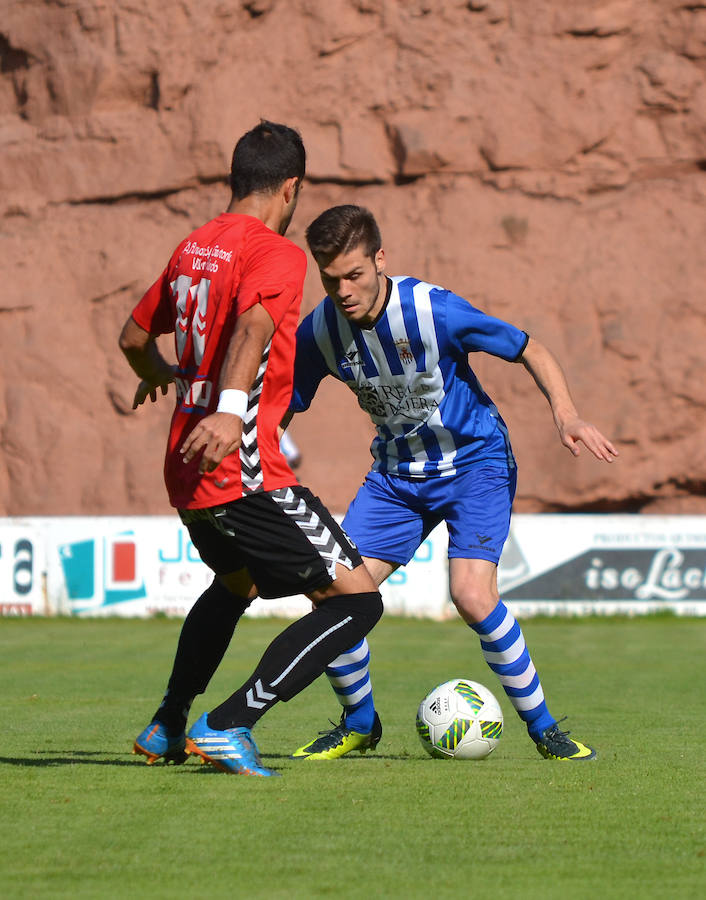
[[459, 719]]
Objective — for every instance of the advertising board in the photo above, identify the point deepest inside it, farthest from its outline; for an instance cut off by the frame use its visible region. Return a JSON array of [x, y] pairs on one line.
[[552, 564]]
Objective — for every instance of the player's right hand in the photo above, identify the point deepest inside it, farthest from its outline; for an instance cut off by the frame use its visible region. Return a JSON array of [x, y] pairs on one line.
[[217, 435]]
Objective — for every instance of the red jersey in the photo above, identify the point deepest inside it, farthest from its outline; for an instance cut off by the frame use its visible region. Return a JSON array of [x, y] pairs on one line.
[[218, 272]]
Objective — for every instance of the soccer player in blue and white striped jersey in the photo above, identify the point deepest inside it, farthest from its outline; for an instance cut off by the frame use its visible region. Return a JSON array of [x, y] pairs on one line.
[[441, 453]]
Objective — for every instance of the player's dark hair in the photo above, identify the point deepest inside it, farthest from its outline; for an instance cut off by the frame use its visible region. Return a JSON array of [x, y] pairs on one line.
[[340, 229], [264, 158]]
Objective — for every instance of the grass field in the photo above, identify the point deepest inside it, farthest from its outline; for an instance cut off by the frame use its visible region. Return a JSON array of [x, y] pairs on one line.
[[81, 817]]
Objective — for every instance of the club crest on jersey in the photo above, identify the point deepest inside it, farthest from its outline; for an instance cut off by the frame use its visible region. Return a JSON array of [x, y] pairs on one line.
[[404, 351]]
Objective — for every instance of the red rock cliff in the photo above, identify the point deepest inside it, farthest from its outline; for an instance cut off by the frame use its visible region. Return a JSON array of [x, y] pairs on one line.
[[545, 159]]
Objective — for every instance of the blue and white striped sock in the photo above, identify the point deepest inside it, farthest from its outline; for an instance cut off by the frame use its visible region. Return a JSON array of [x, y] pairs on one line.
[[506, 653], [349, 678]]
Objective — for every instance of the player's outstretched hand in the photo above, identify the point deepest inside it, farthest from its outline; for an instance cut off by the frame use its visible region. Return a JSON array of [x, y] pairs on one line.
[[577, 430], [217, 435]]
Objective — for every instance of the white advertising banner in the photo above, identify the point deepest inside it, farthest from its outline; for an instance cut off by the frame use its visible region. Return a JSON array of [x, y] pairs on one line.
[[147, 565], [607, 564], [22, 568], [552, 564]]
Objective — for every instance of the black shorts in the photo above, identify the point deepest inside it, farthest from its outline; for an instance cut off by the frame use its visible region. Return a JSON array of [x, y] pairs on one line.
[[286, 539]]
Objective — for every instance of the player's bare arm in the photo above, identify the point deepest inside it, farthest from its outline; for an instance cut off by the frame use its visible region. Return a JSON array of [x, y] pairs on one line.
[[220, 433], [141, 351], [550, 379]]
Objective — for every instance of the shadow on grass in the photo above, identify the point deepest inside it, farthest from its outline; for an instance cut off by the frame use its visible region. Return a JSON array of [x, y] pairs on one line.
[[71, 758], [55, 758], [48, 758]]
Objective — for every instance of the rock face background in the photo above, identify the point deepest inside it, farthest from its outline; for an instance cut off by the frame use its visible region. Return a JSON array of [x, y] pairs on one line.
[[543, 158]]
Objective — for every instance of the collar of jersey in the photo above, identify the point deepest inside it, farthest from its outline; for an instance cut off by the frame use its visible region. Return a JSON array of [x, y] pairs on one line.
[[383, 309]]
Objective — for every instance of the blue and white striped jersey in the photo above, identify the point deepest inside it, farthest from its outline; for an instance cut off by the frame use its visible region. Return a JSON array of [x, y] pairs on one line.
[[410, 373]]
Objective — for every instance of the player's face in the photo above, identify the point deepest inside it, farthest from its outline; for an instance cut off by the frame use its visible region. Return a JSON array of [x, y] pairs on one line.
[[356, 284]]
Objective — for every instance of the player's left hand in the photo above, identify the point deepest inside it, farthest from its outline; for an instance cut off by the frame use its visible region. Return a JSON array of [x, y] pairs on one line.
[[217, 435], [576, 430]]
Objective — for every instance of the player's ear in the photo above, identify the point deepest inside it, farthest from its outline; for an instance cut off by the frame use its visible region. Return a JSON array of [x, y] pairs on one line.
[[291, 189], [380, 261]]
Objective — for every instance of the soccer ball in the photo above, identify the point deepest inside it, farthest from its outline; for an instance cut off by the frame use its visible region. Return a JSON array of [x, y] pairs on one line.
[[460, 719]]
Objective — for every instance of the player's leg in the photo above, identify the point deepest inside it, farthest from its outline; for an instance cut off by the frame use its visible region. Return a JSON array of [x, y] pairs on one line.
[[387, 533], [203, 641], [478, 520], [349, 675], [473, 586], [306, 551]]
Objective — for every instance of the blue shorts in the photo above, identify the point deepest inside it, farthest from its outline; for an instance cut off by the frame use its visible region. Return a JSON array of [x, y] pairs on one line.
[[391, 516]]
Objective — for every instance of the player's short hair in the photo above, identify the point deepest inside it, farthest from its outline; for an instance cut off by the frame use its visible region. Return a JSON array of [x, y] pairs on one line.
[[340, 229], [264, 158]]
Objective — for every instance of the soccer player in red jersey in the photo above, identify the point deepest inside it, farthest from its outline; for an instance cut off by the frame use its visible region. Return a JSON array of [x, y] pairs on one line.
[[231, 294]]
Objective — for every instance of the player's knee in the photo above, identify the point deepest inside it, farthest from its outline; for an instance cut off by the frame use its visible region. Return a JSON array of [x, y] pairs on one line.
[[353, 581], [218, 596], [365, 607], [238, 584], [474, 605], [373, 606]]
